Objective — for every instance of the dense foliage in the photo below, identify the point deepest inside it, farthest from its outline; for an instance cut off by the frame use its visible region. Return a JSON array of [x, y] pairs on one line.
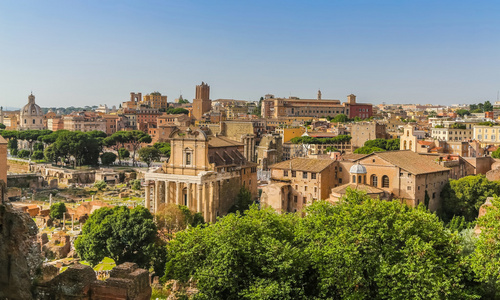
[[149, 155], [163, 147], [123, 234], [364, 249], [57, 210], [368, 150], [485, 260], [464, 197], [313, 140], [108, 158], [243, 200]]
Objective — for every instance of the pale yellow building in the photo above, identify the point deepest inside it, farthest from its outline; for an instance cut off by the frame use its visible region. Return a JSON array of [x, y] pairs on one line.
[[204, 173], [155, 100]]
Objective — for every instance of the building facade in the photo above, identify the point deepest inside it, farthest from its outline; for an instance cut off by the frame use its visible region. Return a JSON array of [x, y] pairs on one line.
[[204, 173], [31, 115]]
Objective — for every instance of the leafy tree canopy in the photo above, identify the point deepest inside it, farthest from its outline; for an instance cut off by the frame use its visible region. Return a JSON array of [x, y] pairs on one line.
[[107, 158], [149, 155], [366, 249], [123, 234], [313, 140], [57, 210], [368, 150], [464, 197]]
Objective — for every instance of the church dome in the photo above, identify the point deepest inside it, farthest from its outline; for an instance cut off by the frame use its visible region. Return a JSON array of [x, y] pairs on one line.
[[31, 109], [357, 169]]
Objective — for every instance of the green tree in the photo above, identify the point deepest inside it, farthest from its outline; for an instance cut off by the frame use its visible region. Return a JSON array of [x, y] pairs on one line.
[[57, 210], [107, 158], [123, 153], [123, 234], [359, 249], [250, 256], [464, 197], [243, 201], [135, 184], [149, 155], [100, 185], [23, 153], [379, 143], [2, 126], [176, 111], [462, 112], [37, 154], [393, 144], [485, 260], [340, 118], [163, 147], [136, 138], [487, 106], [496, 153], [368, 150]]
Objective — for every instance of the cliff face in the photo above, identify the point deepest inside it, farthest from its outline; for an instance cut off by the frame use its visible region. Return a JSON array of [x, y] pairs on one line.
[[20, 257]]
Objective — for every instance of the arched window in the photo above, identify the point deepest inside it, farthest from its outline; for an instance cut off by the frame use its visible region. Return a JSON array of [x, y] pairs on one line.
[[33, 121], [385, 181], [410, 144], [404, 148], [374, 180], [359, 179], [407, 133], [24, 121], [353, 178]]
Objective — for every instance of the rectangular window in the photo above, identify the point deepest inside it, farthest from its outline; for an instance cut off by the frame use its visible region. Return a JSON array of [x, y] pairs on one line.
[[294, 174], [188, 159], [313, 175], [304, 175], [295, 199], [340, 180], [285, 173]]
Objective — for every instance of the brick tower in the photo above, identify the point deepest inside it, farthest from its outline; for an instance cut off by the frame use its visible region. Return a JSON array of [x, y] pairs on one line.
[[202, 102]]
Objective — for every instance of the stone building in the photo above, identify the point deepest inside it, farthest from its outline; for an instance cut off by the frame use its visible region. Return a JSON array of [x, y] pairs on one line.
[[317, 108], [365, 131], [204, 172], [155, 100], [84, 121], [403, 175], [270, 150], [31, 115], [296, 183], [201, 103]]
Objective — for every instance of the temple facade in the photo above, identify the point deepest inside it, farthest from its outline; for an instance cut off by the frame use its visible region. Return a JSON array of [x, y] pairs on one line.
[[204, 173]]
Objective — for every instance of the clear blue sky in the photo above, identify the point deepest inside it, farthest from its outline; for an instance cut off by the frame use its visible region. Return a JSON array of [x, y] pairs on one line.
[[91, 52]]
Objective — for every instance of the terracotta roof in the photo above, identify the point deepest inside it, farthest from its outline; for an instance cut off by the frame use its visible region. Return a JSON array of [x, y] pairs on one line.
[[219, 141], [304, 164], [353, 156], [425, 143], [411, 161]]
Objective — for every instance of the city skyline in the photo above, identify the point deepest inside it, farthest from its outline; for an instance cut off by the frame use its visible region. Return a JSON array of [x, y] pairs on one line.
[[91, 53]]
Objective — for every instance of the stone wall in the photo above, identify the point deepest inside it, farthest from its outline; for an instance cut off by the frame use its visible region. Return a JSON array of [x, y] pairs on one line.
[[20, 257], [18, 166]]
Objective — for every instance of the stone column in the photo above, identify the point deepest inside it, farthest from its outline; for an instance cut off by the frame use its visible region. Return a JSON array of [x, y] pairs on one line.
[[147, 195], [73, 222], [188, 190], [199, 197], [167, 192], [178, 193], [206, 202], [156, 196]]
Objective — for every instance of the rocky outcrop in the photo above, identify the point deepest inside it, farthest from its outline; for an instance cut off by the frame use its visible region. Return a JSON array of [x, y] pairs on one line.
[[20, 257]]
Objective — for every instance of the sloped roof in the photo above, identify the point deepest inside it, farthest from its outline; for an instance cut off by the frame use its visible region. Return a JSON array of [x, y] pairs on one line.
[[304, 164], [220, 141], [353, 156], [411, 161]]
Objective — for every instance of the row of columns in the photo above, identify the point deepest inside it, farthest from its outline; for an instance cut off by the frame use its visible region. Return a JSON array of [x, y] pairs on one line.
[[200, 197]]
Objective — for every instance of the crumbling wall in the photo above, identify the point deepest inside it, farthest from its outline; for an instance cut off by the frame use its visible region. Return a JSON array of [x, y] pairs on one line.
[[20, 257]]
